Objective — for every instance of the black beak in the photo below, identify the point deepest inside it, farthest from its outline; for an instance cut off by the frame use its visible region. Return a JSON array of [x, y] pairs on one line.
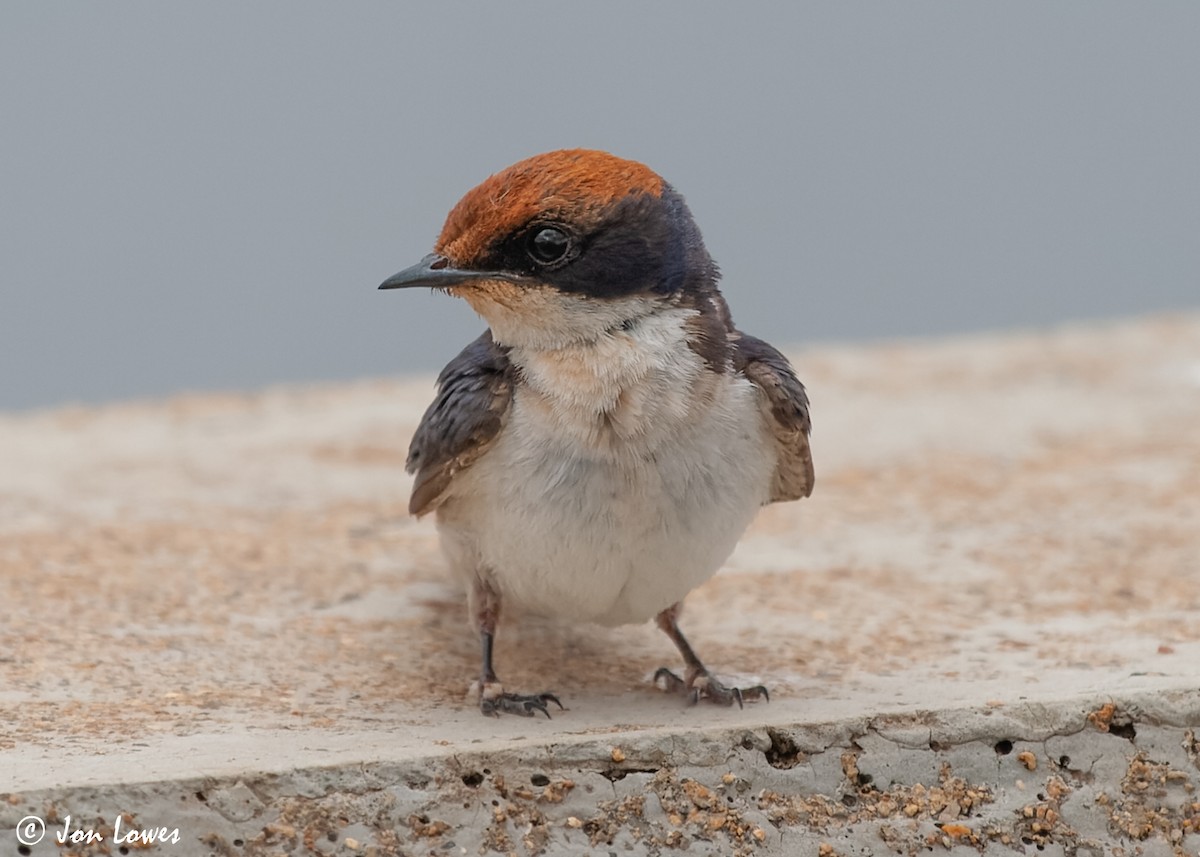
[[436, 272]]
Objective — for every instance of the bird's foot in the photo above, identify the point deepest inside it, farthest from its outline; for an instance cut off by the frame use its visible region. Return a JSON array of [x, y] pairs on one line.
[[494, 701], [701, 684]]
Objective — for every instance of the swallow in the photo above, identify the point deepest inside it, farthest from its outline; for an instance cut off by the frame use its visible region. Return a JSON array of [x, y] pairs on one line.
[[597, 453]]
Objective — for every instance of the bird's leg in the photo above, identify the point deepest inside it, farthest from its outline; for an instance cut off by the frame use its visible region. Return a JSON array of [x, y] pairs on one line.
[[697, 682], [493, 700]]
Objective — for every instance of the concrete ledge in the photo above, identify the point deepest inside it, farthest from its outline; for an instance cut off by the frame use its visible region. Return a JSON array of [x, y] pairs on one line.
[[981, 634], [1076, 777]]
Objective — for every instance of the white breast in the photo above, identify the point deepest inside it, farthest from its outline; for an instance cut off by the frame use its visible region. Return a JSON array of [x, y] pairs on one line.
[[622, 480]]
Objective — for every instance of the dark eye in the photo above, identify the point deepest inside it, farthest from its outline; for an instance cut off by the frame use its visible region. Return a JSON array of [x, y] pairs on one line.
[[548, 244]]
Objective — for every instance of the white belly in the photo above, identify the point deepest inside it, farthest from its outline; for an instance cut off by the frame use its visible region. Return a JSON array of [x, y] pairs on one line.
[[613, 518]]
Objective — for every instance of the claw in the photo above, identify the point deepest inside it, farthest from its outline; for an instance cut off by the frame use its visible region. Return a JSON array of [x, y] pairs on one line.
[[757, 692], [525, 705], [704, 685]]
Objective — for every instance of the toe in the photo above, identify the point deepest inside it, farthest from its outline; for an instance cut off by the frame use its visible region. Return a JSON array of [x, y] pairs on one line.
[[753, 694], [704, 685], [523, 705], [669, 681]]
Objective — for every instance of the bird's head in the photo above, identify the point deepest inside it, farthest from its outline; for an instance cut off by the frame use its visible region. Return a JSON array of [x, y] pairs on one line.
[[561, 247]]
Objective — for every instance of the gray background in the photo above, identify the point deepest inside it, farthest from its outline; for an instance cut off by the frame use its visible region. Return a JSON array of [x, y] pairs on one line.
[[205, 195]]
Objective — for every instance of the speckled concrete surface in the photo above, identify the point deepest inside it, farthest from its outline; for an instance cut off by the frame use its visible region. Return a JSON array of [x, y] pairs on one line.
[[981, 633]]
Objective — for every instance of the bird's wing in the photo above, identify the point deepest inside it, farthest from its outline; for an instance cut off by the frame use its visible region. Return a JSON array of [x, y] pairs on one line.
[[785, 405], [474, 394]]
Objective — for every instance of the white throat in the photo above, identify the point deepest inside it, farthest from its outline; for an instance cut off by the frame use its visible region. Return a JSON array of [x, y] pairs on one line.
[[545, 319]]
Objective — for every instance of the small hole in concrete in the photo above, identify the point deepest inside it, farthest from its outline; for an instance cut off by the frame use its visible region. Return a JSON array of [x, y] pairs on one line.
[[200, 797], [1124, 730], [473, 779], [237, 843], [849, 800], [487, 771], [1064, 761], [937, 746], [23, 850], [495, 803], [1004, 747], [540, 780], [864, 779], [124, 849], [783, 752]]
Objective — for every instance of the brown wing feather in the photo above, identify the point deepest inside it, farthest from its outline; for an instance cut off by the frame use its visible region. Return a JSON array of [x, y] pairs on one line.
[[786, 406], [474, 395]]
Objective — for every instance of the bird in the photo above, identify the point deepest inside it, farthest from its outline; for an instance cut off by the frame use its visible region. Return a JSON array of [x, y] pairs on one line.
[[598, 451]]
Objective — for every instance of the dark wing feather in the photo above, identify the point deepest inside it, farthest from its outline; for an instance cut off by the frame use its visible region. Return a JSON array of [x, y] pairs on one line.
[[474, 394], [786, 406]]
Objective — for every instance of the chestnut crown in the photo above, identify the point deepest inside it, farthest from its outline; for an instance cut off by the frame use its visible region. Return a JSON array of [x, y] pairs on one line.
[[580, 221]]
